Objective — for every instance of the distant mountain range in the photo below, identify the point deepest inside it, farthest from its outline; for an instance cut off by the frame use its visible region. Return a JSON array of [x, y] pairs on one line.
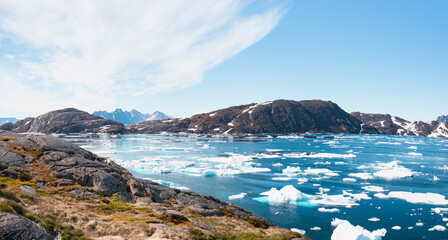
[[443, 118], [8, 120], [130, 117], [276, 117]]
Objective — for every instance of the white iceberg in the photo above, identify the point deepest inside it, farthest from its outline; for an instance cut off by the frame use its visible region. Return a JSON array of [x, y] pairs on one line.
[[439, 228], [419, 198], [346, 231], [288, 194], [237, 196]]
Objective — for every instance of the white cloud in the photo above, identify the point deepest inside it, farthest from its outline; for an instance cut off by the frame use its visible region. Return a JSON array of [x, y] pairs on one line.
[[82, 50]]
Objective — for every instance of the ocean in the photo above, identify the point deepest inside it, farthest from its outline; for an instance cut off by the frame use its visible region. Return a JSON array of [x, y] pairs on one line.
[[305, 182]]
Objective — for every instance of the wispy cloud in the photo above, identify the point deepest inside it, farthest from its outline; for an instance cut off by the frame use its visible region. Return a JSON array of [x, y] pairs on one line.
[[94, 51]]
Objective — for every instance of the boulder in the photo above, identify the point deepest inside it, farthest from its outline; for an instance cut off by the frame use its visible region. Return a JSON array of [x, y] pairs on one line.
[[10, 159], [13, 227]]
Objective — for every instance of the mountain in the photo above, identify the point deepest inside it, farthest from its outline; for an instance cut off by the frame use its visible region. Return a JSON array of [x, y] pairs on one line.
[[278, 117], [443, 118], [157, 116], [133, 116], [8, 120], [69, 120], [387, 124]]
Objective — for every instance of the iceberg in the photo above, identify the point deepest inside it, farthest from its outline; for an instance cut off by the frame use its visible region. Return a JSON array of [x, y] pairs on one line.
[[237, 196], [288, 194], [439, 228], [417, 198], [346, 231]]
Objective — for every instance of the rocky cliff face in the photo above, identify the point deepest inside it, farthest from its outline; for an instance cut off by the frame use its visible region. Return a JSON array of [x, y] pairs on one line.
[[387, 124], [65, 121], [66, 183], [278, 117]]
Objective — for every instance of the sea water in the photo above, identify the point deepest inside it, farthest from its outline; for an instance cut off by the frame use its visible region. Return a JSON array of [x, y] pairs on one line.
[[375, 181]]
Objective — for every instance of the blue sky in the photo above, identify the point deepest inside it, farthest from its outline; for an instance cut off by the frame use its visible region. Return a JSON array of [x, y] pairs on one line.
[[368, 56]]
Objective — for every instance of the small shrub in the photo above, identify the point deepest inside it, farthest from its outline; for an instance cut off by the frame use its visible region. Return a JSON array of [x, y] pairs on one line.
[[23, 175], [131, 219], [257, 223], [197, 234], [226, 212], [9, 206], [9, 195]]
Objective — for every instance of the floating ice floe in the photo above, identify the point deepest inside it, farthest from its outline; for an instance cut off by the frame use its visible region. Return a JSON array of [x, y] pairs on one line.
[[439, 228], [440, 210], [349, 180], [302, 180], [282, 178], [389, 143], [374, 219], [435, 178], [334, 200], [396, 228], [413, 147], [274, 150], [357, 196], [414, 154], [299, 231], [318, 155], [363, 175], [374, 189], [237, 196], [416, 198], [315, 229], [291, 170], [277, 165], [318, 171], [419, 224], [392, 170], [346, 231], [328, 210]]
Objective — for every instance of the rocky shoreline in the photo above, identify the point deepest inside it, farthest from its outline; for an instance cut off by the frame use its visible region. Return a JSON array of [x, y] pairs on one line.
[[51, 188]]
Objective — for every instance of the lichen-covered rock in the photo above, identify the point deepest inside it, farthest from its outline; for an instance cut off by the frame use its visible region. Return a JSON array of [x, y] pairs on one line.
[[10, 159], [80, 192], [13, 227], [28, 189]]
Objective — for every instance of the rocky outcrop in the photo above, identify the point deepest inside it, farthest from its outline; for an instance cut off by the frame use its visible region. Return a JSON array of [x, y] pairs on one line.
[[65, 121], [277, 117], [13, 226], [387, 124]]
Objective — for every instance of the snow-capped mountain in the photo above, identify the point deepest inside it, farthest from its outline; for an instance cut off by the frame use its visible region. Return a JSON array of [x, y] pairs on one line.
[[130, 117]]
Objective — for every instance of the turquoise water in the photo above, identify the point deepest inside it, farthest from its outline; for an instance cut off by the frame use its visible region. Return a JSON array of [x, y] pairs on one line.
[[223, 166]]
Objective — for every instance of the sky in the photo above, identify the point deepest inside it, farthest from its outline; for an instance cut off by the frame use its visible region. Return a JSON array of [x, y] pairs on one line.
[[188, 57]]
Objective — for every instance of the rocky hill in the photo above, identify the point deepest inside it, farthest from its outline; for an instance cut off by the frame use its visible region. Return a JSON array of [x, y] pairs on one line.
[[129, 117], [278, 117], [387, 124], [50, 187], [443, 118], [65, 121]]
